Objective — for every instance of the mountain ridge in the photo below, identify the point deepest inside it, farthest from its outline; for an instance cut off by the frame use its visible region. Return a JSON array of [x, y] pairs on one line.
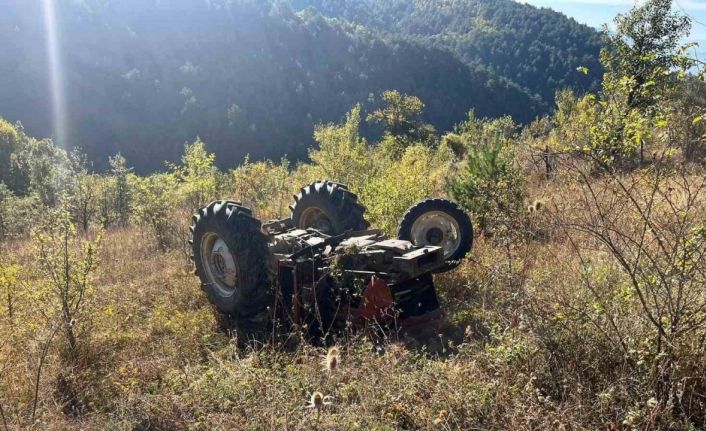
[[478, 21]]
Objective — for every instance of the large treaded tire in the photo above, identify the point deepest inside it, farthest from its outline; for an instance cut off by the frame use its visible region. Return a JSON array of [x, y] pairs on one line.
[[450, 209], [339, 205], [247, 307]]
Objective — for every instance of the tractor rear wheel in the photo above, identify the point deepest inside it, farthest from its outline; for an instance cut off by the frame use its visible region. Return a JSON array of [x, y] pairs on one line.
[[328, 207], [231, 256], [442, 223]]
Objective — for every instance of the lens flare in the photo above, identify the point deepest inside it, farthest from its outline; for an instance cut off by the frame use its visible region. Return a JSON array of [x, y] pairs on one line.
[[56, 78]]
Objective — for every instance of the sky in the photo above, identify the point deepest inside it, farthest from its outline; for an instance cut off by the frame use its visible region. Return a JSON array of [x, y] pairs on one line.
[[597, 12]]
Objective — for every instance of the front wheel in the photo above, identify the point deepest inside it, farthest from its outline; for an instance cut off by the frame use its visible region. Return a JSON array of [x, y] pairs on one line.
[[441, 223]]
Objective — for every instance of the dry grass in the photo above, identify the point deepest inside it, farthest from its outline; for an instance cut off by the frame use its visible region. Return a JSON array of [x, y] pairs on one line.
[[523, 346]]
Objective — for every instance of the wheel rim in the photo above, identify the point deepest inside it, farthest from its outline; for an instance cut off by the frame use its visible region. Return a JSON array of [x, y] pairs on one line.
[[315, 218], [438, 229], [219, 263]]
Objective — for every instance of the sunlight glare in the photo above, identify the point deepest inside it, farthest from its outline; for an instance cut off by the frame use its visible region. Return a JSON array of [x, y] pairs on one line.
[[56, 79]]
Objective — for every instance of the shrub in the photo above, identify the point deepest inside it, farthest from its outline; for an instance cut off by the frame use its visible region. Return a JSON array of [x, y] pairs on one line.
[[262, 186], [342, 154], [420, 173], [606, 130], [651, 225], [199, 179], [686, 128], [482, 132], [117, 193], [66, 262], [154, 205], [9, 283], [82, 191], [10, 141], [166, 201], [41, 169], [17, 214], [401, 117], [6, 204], [491, 187]]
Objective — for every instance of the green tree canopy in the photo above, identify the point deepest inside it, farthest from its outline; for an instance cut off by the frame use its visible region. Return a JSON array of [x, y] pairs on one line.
[[401, 116], [645, 48]]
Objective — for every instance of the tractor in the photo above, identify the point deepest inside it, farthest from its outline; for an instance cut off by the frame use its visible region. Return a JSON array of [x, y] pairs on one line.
[[323, 270]]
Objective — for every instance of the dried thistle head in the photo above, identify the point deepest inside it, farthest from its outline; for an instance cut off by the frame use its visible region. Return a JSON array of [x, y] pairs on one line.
[[318, 401], [332, 359]]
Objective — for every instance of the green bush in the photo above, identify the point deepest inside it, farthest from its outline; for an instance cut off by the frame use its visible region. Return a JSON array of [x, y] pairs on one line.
[[199, 179], [154, 205], [10, 141], [401, 117], [6, 204], [262, 186], [166, 201], [491, 187], [17, 214], [82, 191], [342, 154], [419, 174], [117, 193], [66, 262]]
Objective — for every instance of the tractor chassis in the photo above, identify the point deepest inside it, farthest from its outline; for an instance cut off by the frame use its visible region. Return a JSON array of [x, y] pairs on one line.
[[353, 279]]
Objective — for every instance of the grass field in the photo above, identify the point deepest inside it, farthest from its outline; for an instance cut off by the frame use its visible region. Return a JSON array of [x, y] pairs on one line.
[[534, 336]]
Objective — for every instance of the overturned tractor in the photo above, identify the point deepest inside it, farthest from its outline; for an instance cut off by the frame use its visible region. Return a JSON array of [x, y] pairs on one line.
[[323, 270]]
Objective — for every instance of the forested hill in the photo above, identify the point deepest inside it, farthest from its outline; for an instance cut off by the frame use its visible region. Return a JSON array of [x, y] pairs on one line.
[[143, 77], [539, 49]]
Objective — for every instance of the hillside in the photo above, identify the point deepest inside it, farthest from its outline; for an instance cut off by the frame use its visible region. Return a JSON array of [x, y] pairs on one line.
[[538, 49], [249, 77], [542, 327], [569, 295]]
